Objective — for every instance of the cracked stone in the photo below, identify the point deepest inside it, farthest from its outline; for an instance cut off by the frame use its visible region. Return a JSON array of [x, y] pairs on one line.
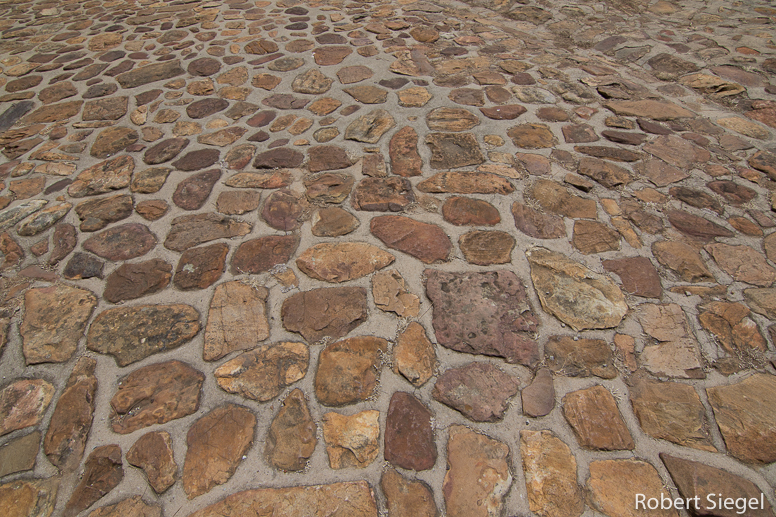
[[351, 441], [292, 438]]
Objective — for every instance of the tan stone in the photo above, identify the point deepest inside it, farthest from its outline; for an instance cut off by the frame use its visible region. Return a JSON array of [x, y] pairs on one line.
[[29, 497], [414, 355], [407, 497], [613, 483], [342, 262], [414, 97], [237, 319], [152, 452], [23, 403], [550, 475], [743, 263], [129, 507], [391, 294], [292, 434], [596, 420], [351, 441], [683, 259]]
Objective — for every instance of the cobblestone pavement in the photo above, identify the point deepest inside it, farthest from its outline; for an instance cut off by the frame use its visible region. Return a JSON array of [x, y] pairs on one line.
[[387, 258]]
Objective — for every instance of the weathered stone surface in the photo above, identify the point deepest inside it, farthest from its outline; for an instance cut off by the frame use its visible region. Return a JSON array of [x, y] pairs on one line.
[[391, 294], [292, 434], [426, 242], [13, 215], [454, 150], [539, 396], [487, 247], [196, 160], [731, 325], [216, 444], [348, 370], [367, 94], [328, 312], [260, 255], [532, 136], [683, 259], [650, 109], [263, 373], [110, 108], [192, 192], [235, 202], [414, 97], [201, 267], [383, 194], [112, 140], [743, 419], [764, 161], [329, 188], [302, 501], [237, 319], [109, 175], [369, 128], [407, 497], [613, 483], [694, 479], [204, 66], [130, 281], [31, 497], [478, 390], [23, 403], [409, 435], [478, 474], [732, 192], [312, 82], [149, 181], [552, 196], [333, 222], [536, 224], [133, 333], [129, 507], [605, 173], [414, 355], [222, 138], [638, 275], [464, 211], [354, 74], [187, 231], [103, 471], [98, 213], [594, 237], [18, 455], [671, 411], [579, 357], [72, 419], [550, 475], [451, 119], [342, 262], [82, 266], [676, 355], [327, 158], [42, 220], [743, 263], [471, 308], [153, 453], [54, 112], [593, 414], [150, 73], [351, 441], [576, 295], [165, 151], [123, 242], [331, 55], [403, 150], [282, 210]]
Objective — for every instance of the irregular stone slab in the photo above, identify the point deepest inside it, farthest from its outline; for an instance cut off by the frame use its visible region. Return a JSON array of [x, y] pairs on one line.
[[333, 222], [204, 66], [593, 414], [123, 242], [464, 211], [134, 333], [150, 73], [98, 213], [33, 497], [414, 355], [732, 192], [682, 259], [110, 108], [471, 308], [550, 475], [454, 150], [593, 237], [539, 396], [487, 247], [505, 112], [536, 224], [199, 268], [206, 107], [354, 74], [331, 55], [694, 479], [671, 411], [390, 294], [23, 404], [187, 231], [165, 151], [677, 354], [18, 455], [466, 183], [192, 193], [72, 419], [343, 261], [367, 94], [235, 202], [478, 474], [292, 438], [574, 294], [403, 150], [301, 501], [155, 394], [351, 441], [282, 210], [54, 112], [223, 137], [237, 319], [743, 263], [383, 194], [109, 175], [732, 327], [764, 161], [13, 215], [554, 197], [451, 119], [262, 254], [695, 226], [638, 275], [426, 242], [328, 312], [152, 452], [532, 136], [613, 483], [605, 173], [327, 158], [478, 390], [130, 281], [112, 140], [371, 127], [54, 321], [150, 181], [579, 357], [407, 497], [329, 188], [216, 445], [677, 151], [741, 413], [409, 435], [129, 507], [103, 471], [348, 370], [312, 82], [83, 265], [196, 160], [650, 109], [263, 373]]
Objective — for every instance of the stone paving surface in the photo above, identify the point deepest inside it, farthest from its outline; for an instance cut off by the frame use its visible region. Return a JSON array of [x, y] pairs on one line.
[[404, 258]]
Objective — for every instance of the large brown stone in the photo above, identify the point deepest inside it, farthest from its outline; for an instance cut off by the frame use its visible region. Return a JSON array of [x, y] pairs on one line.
[[403, 150], [409, 434], [133, 333], [150, 73], [327, 158], [414, 355], [485, 248], [328, 312], [155, 394], [451, 119], [407, 497], [369, 128], [30, 497], [743, 263], [578, 357], [153, 453], [383, 194], [537, 224], [593, 414], [532, 136], [264, 372], [682, 259], [123, 242], [638, 275], [552, 196], [130, 281], [282, 210], [98, 213], [550, 475], [103, 471], [165, 151], [129, 507], [677, 151], [259, 255], [72, 419], [23, 403], [188, 231], [54, 320], [539, 396], [109, 175], [454, 150], [426, 242], [348, 370], [237, 319], [478, 390], [216, 445], [110, 108], [478, 474], [54, 112], [341, 262], [730, 324], [614, 483], [112, 140], [351, 441], [651, 109], [593, 237], [292, 438], [199, 268], [464, 211], [18, 455], [605, 173], [333, 222], [676, 355]]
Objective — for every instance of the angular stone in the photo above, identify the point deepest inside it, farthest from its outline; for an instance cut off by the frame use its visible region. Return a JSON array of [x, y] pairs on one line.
[[650, 109], [97, 214], [605, 173], [683, 259], [19, 454], [696, 198], [390, 294], [594, 237], [348, 370], [694, 479], [579, 357], [732, 192], [550, 475], [744, 421], [285, 101], [669, 67], [190, 230], [54, 112], [407, 497], [33, 497], [554, 197], [342, 262], [329, 188], [478, 474], [259, 255], [327, 158], [532, 136], [695, 226], [54, 321], [415, 97], [199, 268], [153, 453], [204, 66], [134, 333], [238, 157], [111, 108], [637, 274], [451, 119], [280, 158], [505, 112], [367, 94], [539, 397], [237, 319], [414, 355], [216, 445], [327, 312], [536, 224], [613, 483], [369, 128], [579, 133], [480, 391], [743, 263], [676, 355], [234, 202], [123, 242], [426, 242], [223, 137], [292, 438], [732, 327], [671, 411], [351, 441], [383, 194], [103, 471], [331, 55], [764, 161], [453, 150], [23, 404], [130, 281], [150, 73], [109, 175], [197, 160], [466, 183], [409, 435], [403, 150], [165, 151], [112, 140], [470, 309], [354, 74], [593, 414], [83, 265], [11, 216], [487, 247], [129, 507], [677, 151]]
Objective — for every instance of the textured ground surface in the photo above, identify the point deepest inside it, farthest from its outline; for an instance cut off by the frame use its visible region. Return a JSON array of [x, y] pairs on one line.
[[386, 258]]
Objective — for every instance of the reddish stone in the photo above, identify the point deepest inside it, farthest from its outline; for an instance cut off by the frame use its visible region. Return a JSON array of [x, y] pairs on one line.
[[327, 158], [349, 370], [282, 210], [576, 357], [536, 224], [593, 414], [424, 241], [83, 265], [199, 268], [383, 194], [130, 281], [331, 55], [403, 150], [319, 313], [196, 160], [409, 435], [260, 255], [696, 226], [123, 242], [507, 112], [464, 211], [206, 107], [103, 471], [187, 231], [280, 158], [480, 391], [152, 452], [539, 397], [165, 151], [192, 192], [638, 276]]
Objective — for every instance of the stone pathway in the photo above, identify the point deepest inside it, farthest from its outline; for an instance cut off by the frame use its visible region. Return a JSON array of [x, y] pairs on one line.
[[386, 258]]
